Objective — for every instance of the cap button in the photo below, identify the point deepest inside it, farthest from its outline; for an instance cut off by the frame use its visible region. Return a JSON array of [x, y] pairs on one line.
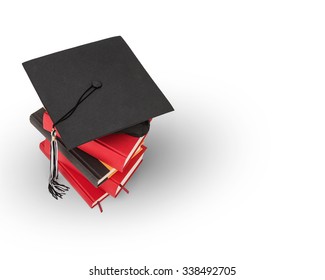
[[97, 84]]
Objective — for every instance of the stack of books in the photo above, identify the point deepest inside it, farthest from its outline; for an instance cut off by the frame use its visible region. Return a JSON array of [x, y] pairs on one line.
[[96, 169]]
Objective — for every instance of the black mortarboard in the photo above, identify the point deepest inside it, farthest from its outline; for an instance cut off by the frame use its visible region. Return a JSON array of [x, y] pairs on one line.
[[122, 92], [91, 91]]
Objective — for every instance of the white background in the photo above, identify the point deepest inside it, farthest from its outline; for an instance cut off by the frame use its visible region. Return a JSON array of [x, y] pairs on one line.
[[233, 177]]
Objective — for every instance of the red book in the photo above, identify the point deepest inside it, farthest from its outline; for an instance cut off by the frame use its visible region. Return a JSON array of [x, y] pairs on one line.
[[112, 186], [117, 182], [115, 149], [91, 195]]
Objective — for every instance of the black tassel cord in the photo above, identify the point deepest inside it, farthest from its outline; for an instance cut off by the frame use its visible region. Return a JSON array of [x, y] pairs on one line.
[[56, 189]]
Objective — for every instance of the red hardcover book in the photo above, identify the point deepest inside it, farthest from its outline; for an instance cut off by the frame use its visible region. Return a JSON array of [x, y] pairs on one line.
[[112, 186], [115, 149], [117, 182], [91, 195]]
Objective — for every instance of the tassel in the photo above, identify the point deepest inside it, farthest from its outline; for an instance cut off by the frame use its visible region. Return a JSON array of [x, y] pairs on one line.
[[57, 190]]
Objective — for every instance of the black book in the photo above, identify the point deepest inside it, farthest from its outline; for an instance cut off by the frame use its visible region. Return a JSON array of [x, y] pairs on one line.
[[90, 167]]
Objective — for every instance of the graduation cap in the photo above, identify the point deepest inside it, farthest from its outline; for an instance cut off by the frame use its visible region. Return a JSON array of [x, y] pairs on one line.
[[94, 90]]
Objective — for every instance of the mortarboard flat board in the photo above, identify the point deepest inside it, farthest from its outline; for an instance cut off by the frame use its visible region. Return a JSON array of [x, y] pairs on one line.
[[123, 94]]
